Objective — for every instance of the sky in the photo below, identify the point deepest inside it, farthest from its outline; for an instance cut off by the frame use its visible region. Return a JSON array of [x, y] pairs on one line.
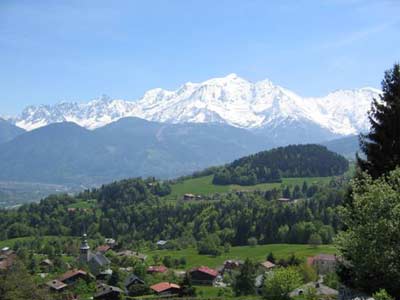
[[53, 51]]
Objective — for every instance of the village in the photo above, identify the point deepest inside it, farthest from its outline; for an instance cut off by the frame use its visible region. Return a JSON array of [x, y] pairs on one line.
[[93, 275]]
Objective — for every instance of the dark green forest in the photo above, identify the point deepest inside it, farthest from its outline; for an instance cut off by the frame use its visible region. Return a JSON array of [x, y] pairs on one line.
[[291, 161]]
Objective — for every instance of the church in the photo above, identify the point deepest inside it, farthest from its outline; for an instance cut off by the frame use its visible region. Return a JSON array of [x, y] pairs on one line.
[[96, 262]]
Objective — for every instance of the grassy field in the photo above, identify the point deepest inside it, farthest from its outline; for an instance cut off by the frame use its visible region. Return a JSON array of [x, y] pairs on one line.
[[83, 204], [204, 186], [257, 253]]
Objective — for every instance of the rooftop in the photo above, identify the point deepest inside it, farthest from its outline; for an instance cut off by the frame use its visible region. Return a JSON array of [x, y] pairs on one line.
[[164, 286]]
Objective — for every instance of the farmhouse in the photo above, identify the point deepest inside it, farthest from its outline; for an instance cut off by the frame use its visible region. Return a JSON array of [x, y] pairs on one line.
[[165, 288], [103, 248], [70, 277], [132, 279], [189, 197], [56, 285], [156, 269], [203, 275], [108, 292], [323, 263], [267, 265]]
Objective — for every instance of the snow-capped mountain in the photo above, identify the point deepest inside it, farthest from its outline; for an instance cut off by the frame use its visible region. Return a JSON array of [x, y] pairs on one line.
[[231, 100]]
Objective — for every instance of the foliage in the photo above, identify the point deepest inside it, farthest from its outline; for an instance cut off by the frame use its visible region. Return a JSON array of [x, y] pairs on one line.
[[131, 212], [308, 273], [382, 144], [17, 284], [278, 285], [252, 241], [315, 240], [187, 289], [332, 280], [244, 282], [290, 161], [310, 293], [382, 295], [210, 244], [370, 246]]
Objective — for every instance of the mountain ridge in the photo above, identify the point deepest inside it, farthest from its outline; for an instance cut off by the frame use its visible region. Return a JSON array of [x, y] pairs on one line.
[[230, 100]]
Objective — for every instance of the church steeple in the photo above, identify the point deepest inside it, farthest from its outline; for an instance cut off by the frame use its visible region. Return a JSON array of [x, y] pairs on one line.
[[84, 250]]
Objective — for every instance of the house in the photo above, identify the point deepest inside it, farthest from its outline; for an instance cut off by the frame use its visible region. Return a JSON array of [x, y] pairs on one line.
[[46, 265], [323, 263], [110, 242], [166, 288], [203, 275], [267, 265], [189, 197], [320, 289], [156, 269], [103, 248], [96, 262], [132, 279], [108, 292], [104, 275], [161, 244], [230, 265], [72, 276], [56, 285]]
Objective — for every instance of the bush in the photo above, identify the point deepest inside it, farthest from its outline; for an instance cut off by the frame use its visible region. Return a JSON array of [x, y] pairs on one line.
[[252, 242]]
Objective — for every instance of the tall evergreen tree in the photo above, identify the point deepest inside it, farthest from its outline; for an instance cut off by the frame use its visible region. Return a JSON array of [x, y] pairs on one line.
[[381, 145]]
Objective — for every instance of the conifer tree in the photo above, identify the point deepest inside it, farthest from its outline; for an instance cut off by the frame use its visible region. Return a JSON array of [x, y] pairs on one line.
[[381, 145]]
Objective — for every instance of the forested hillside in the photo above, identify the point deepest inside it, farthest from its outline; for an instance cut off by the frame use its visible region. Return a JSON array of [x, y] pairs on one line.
[[131, 210], [291, 161]]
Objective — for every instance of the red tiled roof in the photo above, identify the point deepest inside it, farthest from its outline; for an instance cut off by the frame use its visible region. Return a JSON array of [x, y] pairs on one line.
[[103, 248], [164, 286], [206, 270], [71, 274], [157, 269], [267, 264]]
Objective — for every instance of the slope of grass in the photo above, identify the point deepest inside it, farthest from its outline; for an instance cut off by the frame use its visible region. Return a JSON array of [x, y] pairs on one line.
[[257, 253], [204, 186]]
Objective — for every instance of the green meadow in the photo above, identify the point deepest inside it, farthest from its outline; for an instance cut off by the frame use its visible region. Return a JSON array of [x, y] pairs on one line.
[[256, 253], [204, 186]]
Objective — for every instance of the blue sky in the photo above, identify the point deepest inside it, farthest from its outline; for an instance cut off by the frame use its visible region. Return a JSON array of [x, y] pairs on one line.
[[78, 50]]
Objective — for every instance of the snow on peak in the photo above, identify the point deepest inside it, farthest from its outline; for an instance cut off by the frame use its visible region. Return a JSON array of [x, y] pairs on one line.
[[231, 100]]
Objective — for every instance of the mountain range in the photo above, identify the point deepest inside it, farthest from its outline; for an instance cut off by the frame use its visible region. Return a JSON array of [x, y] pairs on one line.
[[231, 100], [65, 153], [172, 133]]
